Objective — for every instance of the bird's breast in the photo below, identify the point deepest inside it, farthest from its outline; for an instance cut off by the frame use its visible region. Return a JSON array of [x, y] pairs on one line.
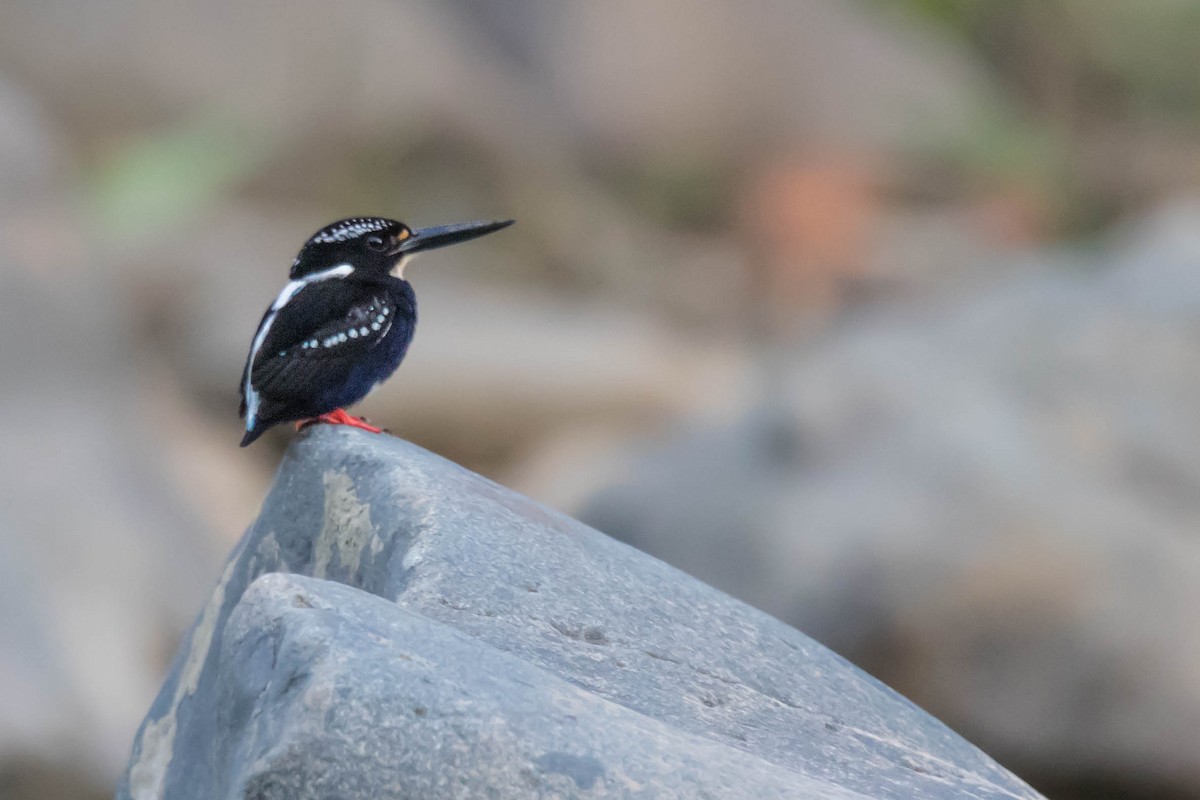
[[395, 314]]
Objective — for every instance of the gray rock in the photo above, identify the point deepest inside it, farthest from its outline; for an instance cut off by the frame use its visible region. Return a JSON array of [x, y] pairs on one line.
[[507, 650]]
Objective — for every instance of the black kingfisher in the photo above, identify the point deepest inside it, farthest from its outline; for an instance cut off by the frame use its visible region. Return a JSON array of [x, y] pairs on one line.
[[342, 324]]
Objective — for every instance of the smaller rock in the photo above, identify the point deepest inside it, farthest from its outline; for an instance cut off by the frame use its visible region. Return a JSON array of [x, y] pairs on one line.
[[332, 692]]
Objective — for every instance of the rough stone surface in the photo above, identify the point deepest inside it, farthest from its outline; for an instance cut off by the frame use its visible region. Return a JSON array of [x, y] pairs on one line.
[[481, 643], [314, 668]]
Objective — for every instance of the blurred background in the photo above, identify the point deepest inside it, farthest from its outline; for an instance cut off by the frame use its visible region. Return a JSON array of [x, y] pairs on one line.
[[881, 315]]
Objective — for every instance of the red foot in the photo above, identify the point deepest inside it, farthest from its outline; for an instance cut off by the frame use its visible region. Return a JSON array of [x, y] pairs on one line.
[[339, 417]]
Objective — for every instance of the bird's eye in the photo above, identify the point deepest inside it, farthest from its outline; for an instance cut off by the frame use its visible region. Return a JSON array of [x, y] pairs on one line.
[[376, 243]]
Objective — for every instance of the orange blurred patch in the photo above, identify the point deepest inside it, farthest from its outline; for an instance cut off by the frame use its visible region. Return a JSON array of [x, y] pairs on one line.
[[809, 221]]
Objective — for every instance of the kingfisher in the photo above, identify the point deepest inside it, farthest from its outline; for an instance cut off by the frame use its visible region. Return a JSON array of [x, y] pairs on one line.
[[342, 324]]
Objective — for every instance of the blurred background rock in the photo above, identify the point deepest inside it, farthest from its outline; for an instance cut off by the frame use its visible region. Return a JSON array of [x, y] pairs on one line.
[[882, 316]]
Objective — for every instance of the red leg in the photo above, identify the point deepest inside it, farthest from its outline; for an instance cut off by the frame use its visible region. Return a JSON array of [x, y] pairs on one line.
[[339, 417]]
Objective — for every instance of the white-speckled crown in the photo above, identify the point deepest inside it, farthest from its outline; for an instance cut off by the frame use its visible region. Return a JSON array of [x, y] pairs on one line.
[[347, 229]]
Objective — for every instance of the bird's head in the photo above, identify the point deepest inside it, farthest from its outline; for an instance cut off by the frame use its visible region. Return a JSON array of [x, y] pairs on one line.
[[375, 244]]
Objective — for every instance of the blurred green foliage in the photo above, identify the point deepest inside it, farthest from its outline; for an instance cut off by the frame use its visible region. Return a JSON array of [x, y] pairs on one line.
[[145, 187], [1087, 84], [1112, 57]]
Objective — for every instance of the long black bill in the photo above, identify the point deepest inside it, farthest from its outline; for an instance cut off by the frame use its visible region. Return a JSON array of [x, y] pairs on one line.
[[429, 238]]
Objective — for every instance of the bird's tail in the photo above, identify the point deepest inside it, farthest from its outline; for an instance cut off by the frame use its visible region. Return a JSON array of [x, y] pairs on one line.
[[252, 434]]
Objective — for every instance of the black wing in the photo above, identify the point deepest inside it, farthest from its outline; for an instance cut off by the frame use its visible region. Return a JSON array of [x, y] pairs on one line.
[[313, 340], [325, 357]]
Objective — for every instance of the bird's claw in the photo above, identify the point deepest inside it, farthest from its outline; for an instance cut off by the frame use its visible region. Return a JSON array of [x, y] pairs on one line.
[[339, 417]]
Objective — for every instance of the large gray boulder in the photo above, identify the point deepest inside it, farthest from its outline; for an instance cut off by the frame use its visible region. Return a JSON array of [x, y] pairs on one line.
[[453, 639]]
